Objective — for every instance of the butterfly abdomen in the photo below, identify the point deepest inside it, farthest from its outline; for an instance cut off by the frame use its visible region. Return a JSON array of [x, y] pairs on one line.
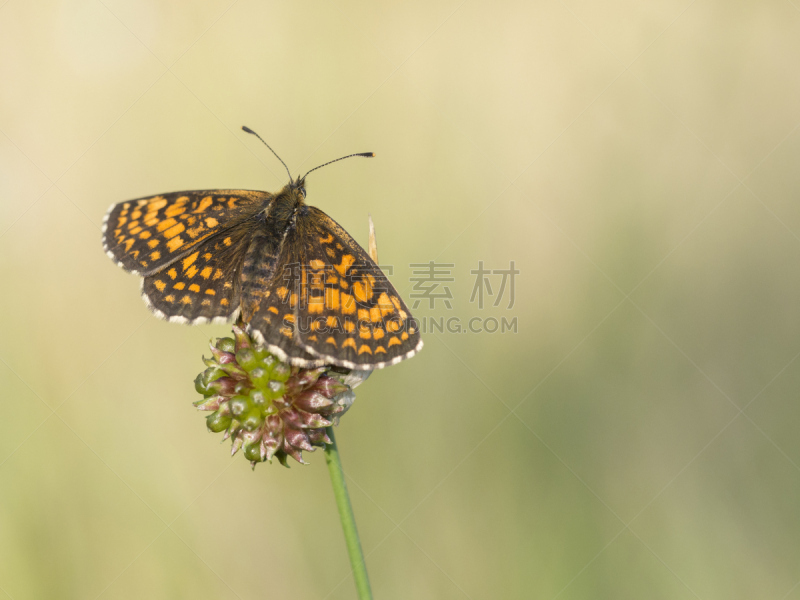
[[261, 258]]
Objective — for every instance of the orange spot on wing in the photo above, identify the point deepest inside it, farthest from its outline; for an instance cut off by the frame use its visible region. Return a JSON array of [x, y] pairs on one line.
[[349, 342], [317, 281], [348, 304], [144, 235], [194, 288], [316, 304], [156, 203], [404, 336], [362, 290], [165, 224], [204, 204], [211, 292], [364, 348], [330, 340], [347, 262], [364, 333], [349, 326], [326, 240], [174, 230], [175, 210], [380, 350], [206, 272], [152, 243], [186, 299], [191, 272], [272, 309], [377, 334], [374, 314], [224, 302], [189, 260], [174, 243], [316, 264], [363, 314], [211, 222], [393, 341], [160, 285], [169, 298], [179, 286], [332, 321], [331, 299]]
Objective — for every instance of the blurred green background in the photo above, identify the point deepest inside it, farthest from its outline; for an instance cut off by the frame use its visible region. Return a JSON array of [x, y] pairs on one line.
[[636, 438]]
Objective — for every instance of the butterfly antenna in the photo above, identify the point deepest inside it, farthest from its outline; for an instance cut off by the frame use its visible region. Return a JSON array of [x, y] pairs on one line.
[[366, 154], [248, 130]]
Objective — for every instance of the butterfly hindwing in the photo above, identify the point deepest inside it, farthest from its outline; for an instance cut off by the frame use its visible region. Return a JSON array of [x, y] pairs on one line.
[[147, 234], [201, 286], [329, 299]]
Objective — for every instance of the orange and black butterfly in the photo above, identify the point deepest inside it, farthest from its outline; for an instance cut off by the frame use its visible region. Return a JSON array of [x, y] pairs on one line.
[[298, 282]]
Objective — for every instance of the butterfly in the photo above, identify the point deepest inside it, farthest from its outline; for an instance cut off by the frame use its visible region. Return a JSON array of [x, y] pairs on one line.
[[285, 270]]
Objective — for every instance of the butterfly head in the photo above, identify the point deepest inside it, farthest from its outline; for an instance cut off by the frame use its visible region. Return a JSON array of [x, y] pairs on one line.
[[292, 196], [299, 186]]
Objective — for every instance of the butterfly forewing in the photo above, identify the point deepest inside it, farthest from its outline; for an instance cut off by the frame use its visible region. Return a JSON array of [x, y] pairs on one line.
[[147, 234], [201, 286]]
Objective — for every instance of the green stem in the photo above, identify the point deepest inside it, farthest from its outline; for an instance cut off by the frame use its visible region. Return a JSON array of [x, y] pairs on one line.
[[357, 561]]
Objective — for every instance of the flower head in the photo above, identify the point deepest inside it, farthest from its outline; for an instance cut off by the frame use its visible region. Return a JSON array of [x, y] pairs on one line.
[[268, 408]]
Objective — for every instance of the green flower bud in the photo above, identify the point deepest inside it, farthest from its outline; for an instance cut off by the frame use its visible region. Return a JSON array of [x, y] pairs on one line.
[[217, 422], [269, 408]]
